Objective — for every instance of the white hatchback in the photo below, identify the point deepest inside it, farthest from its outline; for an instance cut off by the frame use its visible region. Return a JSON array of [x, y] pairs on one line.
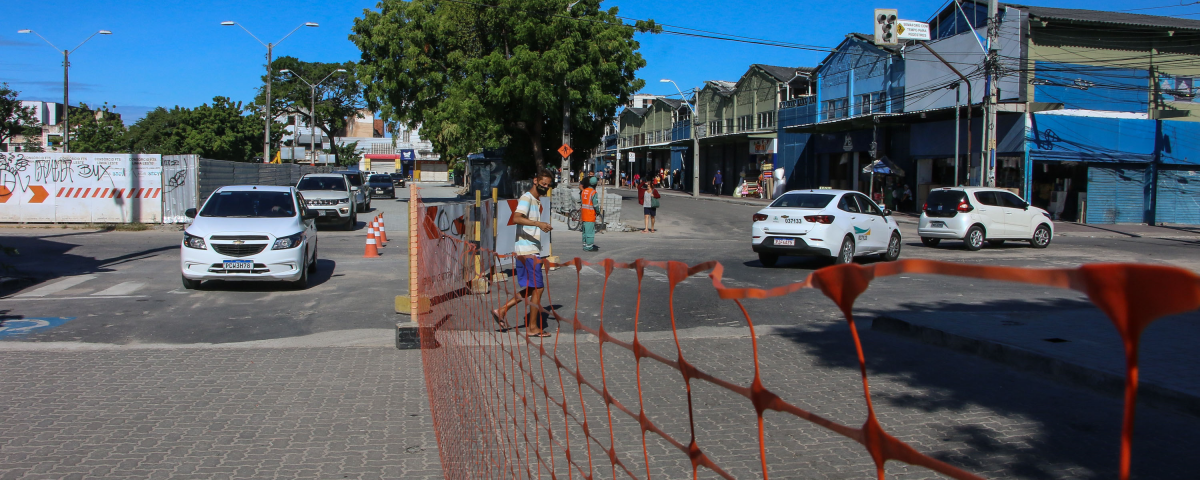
[[250, 233], [978, 214], [839, 224]]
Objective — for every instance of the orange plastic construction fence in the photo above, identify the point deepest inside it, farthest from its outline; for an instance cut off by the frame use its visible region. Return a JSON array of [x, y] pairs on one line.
[[493, 393]]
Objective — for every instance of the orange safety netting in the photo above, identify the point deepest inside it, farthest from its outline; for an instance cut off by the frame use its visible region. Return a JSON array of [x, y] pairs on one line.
[[509, 406]]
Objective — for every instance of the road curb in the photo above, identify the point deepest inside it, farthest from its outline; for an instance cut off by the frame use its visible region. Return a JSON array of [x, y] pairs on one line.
[[1072, 374]]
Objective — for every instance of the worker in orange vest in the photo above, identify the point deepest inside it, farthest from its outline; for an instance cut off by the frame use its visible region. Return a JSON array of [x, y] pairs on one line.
[[588, 213]]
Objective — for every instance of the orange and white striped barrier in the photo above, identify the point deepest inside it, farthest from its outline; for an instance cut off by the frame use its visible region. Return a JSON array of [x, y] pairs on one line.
[[372, 250]]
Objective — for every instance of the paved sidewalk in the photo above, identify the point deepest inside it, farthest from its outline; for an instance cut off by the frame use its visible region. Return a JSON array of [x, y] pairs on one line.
[[216, 413]]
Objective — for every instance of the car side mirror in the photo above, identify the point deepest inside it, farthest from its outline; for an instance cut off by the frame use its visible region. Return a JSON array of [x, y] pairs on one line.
[[310, 214], [887, 213], [190, 213]]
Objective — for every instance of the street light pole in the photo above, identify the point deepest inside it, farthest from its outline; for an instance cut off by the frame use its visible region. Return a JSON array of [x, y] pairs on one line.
[[267, 105], [66, 82], [695, 136], [312, 113]]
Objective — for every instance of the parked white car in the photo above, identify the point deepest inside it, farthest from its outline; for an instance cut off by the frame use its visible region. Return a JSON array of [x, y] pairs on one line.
[[838, 224], [250, 233], [978, 214]]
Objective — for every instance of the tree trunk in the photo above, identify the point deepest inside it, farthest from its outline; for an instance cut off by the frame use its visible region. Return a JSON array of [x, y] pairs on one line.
[[535, 138]]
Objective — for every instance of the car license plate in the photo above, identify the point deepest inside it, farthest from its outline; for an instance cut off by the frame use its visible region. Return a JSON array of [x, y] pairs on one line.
[[938, 224], [239, 265], [785, 242]]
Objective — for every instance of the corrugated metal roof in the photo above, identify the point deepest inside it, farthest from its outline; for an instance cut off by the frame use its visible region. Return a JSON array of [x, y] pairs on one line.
[[723, 87], [1117, 18], [782, 74]]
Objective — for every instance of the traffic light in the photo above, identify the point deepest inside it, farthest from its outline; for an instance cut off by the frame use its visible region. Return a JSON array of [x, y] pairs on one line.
[[885, 26]]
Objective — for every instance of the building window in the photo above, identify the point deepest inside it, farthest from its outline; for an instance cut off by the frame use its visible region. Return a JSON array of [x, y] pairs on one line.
[[714, 127], [835, 109], [729, 125], [766, 120], [869, 103]]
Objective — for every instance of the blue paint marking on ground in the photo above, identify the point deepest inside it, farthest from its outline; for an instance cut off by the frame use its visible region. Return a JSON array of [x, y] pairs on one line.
[[16, 327]]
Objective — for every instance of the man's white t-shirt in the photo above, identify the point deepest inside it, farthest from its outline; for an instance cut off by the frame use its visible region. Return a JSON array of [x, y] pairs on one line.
[[529, 238]]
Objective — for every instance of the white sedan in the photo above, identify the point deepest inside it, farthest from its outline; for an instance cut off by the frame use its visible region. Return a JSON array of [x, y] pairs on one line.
[[839, 224], [250, 233]]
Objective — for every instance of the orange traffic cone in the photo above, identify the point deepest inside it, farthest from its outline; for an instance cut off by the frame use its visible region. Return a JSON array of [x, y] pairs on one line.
[[372, 250], [378, 237], [382, 229]]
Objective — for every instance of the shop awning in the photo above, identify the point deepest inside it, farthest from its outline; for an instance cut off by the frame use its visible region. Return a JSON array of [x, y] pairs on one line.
[[883, 166]]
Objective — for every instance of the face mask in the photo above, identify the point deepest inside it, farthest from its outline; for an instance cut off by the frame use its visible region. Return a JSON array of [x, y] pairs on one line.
[[542, 190]]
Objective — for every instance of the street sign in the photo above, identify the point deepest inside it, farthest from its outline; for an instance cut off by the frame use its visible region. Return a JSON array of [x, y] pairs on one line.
[[910, 30], [565, 150], [631, 157], [849, 145]]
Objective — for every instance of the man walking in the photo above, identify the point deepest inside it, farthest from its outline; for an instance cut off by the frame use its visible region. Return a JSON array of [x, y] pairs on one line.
[[528, 245], [587, 195], [717, 183]]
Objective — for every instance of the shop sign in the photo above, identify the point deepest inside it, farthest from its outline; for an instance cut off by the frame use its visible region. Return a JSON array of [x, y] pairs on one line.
[[761, 146]]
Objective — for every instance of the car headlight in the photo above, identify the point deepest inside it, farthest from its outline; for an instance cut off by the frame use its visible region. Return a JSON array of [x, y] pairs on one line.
[[290, 241], [343, 200], [192, 241]]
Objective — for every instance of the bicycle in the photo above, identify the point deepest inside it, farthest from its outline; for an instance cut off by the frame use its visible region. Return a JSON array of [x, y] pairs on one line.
[[574, 219]]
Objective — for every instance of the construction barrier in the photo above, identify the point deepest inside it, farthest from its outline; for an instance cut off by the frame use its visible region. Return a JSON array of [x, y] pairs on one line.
[[506, 405], [80, 187]]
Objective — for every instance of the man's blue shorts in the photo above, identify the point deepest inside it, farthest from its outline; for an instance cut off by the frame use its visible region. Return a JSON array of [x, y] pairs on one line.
[[529, 273]]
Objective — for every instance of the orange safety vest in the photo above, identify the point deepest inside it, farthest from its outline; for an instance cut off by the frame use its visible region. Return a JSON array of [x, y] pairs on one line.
[[589, 210]]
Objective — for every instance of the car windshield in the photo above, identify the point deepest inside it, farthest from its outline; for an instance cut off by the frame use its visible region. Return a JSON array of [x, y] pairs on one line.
[[803, 200], [380, 179], [946, 199], [250, 204], [322, 183], [355, 179]]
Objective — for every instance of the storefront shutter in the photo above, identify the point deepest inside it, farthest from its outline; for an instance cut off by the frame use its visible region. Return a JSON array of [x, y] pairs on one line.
[[1116, 194], [1178, 197]]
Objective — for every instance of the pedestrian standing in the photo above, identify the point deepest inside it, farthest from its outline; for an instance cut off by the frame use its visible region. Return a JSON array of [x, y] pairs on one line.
[[717, 183], [527, 248], [906, 199], [637, 179], [587, 196], [648, 197]]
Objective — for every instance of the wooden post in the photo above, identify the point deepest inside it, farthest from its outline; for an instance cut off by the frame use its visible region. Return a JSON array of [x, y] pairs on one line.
[[413, 254]]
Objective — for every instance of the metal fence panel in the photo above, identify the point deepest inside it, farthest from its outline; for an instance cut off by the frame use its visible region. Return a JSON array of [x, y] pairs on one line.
[[180, 186]]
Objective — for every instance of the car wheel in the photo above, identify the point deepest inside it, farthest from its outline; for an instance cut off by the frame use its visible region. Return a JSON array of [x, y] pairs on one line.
[[846, 254], [189, 284], [974, 238], [302, 282], [931, 242], [768, 260], [312, 267], [1041, 237], [353, 223], [893, 251], [996, 243]]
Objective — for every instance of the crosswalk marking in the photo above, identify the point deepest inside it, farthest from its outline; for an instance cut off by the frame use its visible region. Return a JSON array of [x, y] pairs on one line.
[[57, 286], [125, 288]]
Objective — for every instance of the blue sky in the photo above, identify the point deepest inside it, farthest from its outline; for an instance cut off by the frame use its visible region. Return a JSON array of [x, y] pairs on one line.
[[166, 53]]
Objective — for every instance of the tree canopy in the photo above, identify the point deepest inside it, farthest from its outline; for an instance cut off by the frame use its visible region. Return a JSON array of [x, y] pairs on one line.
[[497, 72], [224, 130], [96, 130], [14, 119], [339, 97]]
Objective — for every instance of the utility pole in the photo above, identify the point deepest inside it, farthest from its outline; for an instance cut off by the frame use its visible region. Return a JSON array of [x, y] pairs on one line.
[[695, 144], [564, 175], [993, 40]]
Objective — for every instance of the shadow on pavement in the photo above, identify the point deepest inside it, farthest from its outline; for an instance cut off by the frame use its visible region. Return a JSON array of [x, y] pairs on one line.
[[1052, 428]]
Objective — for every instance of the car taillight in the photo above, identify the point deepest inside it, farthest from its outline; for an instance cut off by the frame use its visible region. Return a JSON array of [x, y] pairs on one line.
[[758, 217], [925, 206], [964, 207], [825, 219]]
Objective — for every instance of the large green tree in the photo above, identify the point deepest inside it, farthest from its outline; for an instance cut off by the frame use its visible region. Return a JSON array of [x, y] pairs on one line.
[[14, 119], [339, 97], [224, 130], [96, 130], [498, 72]]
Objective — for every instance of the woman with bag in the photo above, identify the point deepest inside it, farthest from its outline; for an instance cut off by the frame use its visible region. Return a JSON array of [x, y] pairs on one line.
[[648, 196]]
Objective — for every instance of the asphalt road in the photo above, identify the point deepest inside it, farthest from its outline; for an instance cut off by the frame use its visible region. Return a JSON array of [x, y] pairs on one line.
[[119, 287], [694, 231]]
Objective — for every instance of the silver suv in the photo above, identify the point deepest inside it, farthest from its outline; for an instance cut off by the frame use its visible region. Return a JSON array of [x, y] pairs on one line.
[[358, 183], [978, 214], [332, 195]]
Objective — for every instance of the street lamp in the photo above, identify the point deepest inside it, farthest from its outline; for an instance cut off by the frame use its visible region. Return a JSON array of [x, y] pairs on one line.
[[267, 105], [66, 84], [695, 137], [312, 114]]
